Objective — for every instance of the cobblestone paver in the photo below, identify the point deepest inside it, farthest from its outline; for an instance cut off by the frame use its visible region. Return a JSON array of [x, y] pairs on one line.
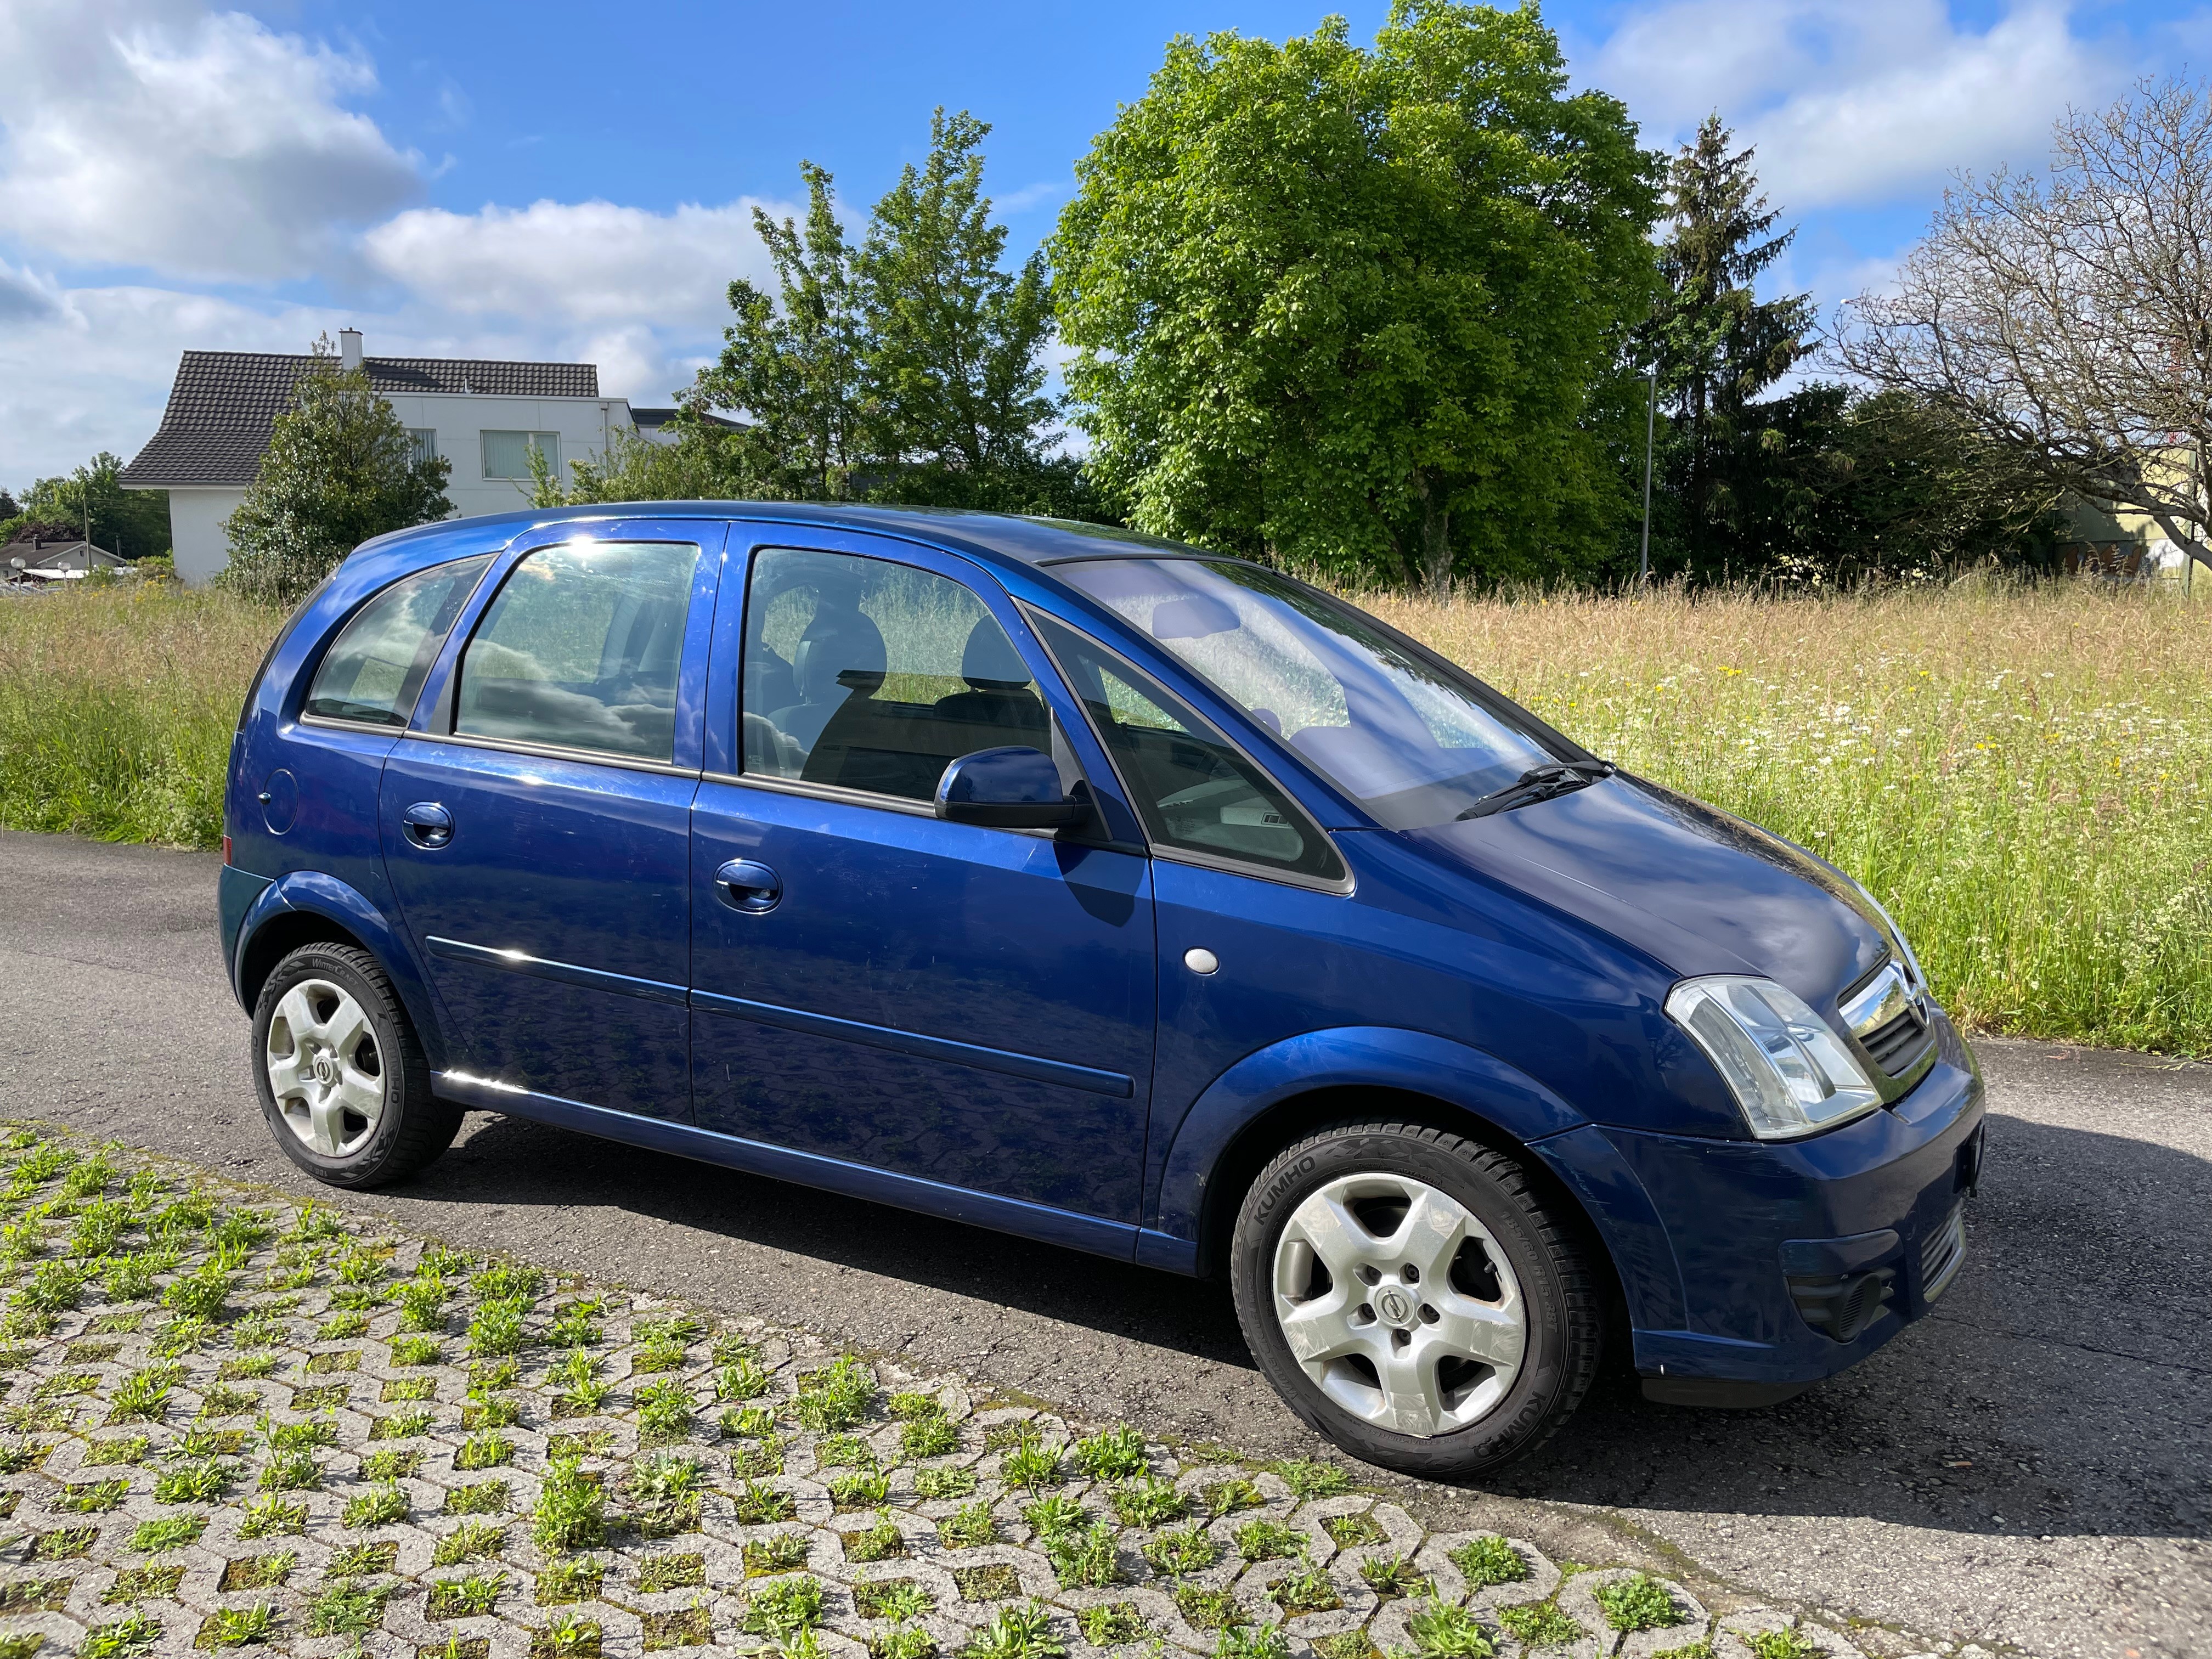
[[232, 1422]]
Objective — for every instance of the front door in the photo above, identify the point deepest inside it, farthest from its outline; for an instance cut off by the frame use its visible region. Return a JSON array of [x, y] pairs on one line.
[[537, 823], [971, 1007]]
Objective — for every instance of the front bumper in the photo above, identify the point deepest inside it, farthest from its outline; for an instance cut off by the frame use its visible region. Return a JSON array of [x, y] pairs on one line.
[[1799, 1259]]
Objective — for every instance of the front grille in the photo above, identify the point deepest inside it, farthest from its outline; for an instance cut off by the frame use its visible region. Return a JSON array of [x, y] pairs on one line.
[[1942, 1254], [1897, 1043]]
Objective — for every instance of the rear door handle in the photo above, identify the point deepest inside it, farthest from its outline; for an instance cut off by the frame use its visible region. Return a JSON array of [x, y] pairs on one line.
[[428, 824], [747, 886]]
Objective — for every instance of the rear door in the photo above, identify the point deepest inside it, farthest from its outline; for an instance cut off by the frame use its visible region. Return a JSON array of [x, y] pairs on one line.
[[536, 819], [968, 1006]]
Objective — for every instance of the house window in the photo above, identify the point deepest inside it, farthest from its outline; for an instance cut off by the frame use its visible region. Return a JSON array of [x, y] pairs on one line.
[[507, 455], [425, 440]]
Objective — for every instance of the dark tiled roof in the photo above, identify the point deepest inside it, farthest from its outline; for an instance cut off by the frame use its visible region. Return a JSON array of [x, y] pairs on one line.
[[223, 402], [649, 420]]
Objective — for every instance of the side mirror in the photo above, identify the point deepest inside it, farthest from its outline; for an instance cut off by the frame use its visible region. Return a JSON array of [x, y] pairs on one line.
[[1007, 789]]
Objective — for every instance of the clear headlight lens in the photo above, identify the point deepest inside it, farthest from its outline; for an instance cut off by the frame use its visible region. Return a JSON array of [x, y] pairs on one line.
[[1787, 1069]]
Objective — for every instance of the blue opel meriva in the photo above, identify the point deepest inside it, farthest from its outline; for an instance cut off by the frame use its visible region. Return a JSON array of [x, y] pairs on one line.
[[1104, 891]]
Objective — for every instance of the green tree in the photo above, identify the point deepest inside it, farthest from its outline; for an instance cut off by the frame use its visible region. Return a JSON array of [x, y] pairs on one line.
[[954, 370], [791, 361], [340, 468], [909, 368], [134, 523], [1719, 346], [1351, 309], [704, 464]]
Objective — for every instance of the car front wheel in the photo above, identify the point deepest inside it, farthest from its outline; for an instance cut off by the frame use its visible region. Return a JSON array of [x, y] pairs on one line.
[[343, 1080], [1411, 1297]]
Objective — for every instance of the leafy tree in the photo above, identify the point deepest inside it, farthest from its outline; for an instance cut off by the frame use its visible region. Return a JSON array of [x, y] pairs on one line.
[[1717, 344], [909, 368], [2066, 319], [134, 523], [793, 368], [1352, 309], [340, 468], [705, 464]]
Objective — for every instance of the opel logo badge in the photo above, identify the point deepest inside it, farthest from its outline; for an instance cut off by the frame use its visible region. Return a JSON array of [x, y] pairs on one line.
[[326, 1070], [1394, 1305]]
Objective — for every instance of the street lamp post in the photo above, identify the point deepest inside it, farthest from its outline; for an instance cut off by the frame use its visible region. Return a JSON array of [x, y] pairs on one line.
[[1650, 427]]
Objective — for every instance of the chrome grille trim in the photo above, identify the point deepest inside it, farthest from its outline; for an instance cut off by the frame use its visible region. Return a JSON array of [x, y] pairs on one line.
[[1886, 1016]]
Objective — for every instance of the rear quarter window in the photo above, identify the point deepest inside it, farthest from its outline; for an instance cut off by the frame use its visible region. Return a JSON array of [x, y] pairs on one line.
[[374, 669]]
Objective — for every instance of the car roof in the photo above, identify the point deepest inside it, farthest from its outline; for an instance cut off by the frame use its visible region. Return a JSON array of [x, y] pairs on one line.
[[1028, 541]]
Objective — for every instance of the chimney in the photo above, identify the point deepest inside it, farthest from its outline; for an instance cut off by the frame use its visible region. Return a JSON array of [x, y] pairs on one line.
[[349, 350]]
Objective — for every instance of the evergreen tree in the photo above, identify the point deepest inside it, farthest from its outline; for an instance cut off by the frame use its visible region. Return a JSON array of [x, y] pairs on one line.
[[1718, 345], [340, 468]]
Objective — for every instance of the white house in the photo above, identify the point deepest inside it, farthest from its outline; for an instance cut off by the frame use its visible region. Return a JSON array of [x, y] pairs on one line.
[[484, 417]]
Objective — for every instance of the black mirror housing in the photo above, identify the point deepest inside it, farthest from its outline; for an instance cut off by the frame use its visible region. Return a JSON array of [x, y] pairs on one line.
[[1012, 788]]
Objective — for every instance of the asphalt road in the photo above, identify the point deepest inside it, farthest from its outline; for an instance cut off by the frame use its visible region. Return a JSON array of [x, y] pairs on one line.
[[2029, 1468]]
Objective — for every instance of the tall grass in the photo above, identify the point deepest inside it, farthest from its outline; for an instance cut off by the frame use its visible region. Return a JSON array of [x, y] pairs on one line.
[[2024, 776], [117, 706]]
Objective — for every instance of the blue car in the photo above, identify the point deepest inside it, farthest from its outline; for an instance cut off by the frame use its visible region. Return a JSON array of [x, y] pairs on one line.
[[1107, 892]]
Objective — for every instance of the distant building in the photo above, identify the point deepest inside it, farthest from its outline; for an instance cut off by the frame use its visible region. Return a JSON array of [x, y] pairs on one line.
[[46, 558], [484, 416], [658, 425]]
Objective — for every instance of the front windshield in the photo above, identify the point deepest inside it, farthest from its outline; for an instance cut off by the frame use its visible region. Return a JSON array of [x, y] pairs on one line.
[[1412, 744]]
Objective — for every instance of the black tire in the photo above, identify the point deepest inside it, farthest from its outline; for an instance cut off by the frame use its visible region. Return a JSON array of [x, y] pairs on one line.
[[415, 1126], [1565, 1318]]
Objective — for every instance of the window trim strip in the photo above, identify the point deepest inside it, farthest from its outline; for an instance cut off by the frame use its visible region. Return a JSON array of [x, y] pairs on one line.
[[550, 751]]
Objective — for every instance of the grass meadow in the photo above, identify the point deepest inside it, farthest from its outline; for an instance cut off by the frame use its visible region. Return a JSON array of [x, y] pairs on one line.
[[2023, 775]]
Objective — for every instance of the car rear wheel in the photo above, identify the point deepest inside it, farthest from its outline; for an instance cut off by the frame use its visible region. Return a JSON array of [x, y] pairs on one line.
[[1413, 1297], [344, 1082]]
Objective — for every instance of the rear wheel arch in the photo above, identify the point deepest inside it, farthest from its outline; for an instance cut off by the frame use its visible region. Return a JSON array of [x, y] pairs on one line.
[[286, 930], [1291, 1119]]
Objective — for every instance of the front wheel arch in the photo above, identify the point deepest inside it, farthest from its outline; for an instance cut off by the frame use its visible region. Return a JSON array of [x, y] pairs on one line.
[[1290, 1120]]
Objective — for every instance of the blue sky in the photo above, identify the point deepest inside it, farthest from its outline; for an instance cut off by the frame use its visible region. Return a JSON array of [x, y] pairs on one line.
[[576, 181]]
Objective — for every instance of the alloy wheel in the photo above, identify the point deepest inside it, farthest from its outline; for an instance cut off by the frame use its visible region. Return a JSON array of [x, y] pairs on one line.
[[324, 1068], [1399, 1304]]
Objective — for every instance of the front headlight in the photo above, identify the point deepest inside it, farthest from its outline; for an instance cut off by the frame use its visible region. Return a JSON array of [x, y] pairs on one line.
[[1780, 1060]]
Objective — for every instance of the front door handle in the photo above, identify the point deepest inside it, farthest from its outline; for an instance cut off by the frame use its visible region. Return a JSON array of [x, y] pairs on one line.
[[428, 824], [747, 886]]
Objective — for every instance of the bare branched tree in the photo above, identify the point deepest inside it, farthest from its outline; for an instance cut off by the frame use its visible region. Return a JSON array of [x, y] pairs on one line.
[[2070, 320]]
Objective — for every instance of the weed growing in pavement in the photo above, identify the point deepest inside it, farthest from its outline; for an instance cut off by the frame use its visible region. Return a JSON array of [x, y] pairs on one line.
[[346, 1608], [253, 1572], [837, 1396], [411, 1388], [1022, 1632], [571, 1510], [760, 1506], [1392, 1575], [465, 1598], [844, 1451], [1188, 1549], [484, 1451], [1638, 1603], [780, 1552], [759, 1459], [784, 1609], [144, 1394], [133, 1633], [743, 1380], [861, 1491], [363, 1560], [927, 1436], [416, 1351], [170, 1532], [1308, 1479], [1053, 1516], [1305, 1589], [1209, 1609], [1440, 1630], [1541, 1625], [664, 1411], [576, 1323], [239, 1627], [271, 1514], [666, 1489], [1781, 1645], [1147, 1501], [944, 1483], [562, 1582], [880, 1542], [1029, 1464], [1113, 1453], [403, 1426], [194, 1483], [423, 1304], [1227, 1496], [969, 1526], [497, 1329], [1111, 1624], [1085, 1558], [390, 1464], [472, 1541], [379, 1506], [1269, 1540], [1351, 1532]]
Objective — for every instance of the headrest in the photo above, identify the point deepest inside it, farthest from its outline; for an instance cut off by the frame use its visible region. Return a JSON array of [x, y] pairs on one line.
[[990, 663], [840, 648]]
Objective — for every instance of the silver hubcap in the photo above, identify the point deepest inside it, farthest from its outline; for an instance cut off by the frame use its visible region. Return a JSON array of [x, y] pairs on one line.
[[1400, 1304], [324, 1067]]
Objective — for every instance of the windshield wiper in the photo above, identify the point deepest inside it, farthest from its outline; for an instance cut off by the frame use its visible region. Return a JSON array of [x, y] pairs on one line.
[[1540, 783]]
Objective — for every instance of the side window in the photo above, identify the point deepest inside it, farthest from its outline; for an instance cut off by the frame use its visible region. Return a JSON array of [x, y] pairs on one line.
[[581, 649], [1193, 790], [870, 675], [376, 666]]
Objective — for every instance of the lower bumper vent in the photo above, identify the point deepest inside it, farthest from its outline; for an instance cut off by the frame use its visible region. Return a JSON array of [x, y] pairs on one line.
[[1942, 1253], [1842, 1306]]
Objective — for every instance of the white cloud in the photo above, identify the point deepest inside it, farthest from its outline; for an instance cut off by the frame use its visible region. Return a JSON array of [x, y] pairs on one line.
[[1856, 101], [157, 133], [583, 262]]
